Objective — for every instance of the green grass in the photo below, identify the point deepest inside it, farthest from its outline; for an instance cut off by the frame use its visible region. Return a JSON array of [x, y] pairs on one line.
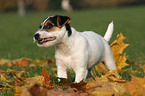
[[16, 33]]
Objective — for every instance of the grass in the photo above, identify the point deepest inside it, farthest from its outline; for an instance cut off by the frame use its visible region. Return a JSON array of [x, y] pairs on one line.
[[16, 38]]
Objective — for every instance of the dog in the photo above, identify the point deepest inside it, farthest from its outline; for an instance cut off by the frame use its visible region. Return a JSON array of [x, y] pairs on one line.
[[75, 50]]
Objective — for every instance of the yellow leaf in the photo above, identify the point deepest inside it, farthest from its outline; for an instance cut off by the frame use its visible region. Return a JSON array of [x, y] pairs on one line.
[[103, 88], [117, 48], [100, 68], [29, 83], [2, 78], [118, 45], [144, 68], [90, 81], [120, 61], [35, 79], [17, 91], [136, 86], [54, 69]]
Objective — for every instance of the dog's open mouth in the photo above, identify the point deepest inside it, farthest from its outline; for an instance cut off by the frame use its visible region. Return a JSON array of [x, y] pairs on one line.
[[44, 40]]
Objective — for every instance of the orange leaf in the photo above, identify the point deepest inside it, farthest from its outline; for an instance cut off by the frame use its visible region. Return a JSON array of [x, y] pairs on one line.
[[22, 63], [17, 82], [46, 77]]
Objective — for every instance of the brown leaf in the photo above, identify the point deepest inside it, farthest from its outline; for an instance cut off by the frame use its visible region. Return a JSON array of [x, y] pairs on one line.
[[62, 92], [64, 82], [51, 61], [81, 86], [36, 91]]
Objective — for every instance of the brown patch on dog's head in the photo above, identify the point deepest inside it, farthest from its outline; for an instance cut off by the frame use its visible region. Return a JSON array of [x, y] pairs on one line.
[[53, 29]]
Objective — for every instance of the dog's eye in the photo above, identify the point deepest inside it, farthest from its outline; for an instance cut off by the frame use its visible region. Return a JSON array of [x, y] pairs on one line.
[[49, 26]]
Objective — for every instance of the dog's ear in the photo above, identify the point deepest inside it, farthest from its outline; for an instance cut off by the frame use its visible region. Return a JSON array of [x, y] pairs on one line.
[[62, 20]]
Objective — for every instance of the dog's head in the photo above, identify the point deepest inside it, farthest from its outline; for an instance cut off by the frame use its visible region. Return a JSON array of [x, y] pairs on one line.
[[52, 30]]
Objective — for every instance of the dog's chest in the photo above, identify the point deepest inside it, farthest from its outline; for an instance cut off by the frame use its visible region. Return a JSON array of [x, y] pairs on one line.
[[66, 61], [62, 49], [65, 55]]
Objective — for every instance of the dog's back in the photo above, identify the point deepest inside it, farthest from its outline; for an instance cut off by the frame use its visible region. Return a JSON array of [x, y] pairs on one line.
[[98, 45], [96, 48]]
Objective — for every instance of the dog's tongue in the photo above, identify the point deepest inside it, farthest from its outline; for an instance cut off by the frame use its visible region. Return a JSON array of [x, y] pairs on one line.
[[49, 39]]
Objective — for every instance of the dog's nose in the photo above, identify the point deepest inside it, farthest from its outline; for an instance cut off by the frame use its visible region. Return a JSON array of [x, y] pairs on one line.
[[37, 36]]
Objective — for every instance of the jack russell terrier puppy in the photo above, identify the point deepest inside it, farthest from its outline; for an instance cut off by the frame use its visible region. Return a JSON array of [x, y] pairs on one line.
[[75, 50]]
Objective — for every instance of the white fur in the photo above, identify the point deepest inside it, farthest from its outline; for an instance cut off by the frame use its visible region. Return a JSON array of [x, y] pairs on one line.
[[80, 52], [109, 32]]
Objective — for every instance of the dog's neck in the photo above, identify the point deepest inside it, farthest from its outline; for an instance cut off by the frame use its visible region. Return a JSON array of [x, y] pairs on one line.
[[66, 43]]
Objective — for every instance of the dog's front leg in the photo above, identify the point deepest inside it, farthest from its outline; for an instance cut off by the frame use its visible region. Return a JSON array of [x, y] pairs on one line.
[[61, 69], [80, 74], [61, 72]]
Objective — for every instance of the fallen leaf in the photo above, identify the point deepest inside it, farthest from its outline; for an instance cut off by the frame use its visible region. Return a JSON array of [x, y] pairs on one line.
[[2, 78], [4, 61], [111, 76], [117, 48], [81, 86], [29, 82], [18, 91], [22, 63], [36, 91], [136, 86], [64, 82], [61, 92], [46, 78], [144, 68], [100, 68], [104, 88]]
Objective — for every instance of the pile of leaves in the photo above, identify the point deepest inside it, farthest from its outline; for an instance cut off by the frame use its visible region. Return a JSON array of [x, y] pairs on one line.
[[27, 77]]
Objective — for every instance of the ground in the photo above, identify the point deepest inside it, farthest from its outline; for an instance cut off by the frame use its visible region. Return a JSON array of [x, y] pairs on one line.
[[16, 41]]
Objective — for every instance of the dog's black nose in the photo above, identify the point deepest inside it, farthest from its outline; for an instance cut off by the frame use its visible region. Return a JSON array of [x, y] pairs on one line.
[[37, 36]]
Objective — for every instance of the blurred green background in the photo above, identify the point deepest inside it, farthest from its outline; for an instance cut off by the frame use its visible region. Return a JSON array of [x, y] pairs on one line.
[[19, 21]]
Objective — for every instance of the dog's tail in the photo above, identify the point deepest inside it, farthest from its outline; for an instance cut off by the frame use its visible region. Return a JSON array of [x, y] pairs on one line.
[[109, 32]]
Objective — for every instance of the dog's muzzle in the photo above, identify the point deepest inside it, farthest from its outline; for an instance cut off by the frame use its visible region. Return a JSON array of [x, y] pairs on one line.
[[37, 36], [43, 40]]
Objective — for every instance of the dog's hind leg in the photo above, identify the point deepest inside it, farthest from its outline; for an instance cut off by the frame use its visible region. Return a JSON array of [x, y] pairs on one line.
[[109, 62]]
